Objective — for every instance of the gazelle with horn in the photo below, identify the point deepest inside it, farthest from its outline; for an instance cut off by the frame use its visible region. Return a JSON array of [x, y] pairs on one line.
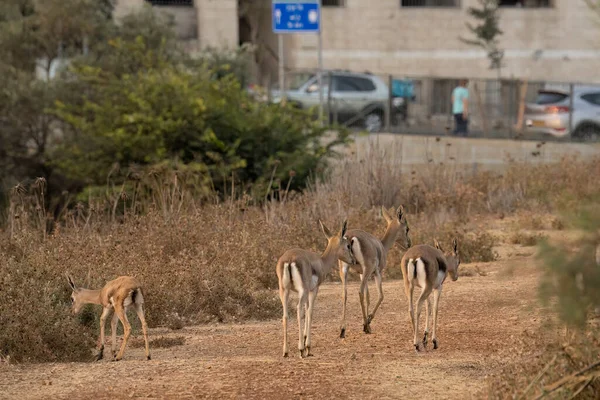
[[119, 295], [303, 271], [371, 255], [427, 267]]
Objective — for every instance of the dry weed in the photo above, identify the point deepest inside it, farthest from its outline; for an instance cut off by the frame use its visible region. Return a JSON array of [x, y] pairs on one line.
[[202, 261]]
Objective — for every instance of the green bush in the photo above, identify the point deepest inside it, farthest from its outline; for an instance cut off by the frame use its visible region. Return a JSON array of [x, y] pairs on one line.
[[169, 112]]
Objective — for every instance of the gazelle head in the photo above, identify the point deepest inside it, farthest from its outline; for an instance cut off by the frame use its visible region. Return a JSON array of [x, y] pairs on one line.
[[339, 243], [452, 258], [397, 220], [76, 301]]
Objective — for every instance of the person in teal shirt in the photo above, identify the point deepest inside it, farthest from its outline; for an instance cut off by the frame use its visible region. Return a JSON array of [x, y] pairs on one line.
[[460, 108]]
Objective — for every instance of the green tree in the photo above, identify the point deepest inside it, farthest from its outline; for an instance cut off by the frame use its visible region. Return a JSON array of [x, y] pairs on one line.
[[167, 111], [486, 32], [571, 273]]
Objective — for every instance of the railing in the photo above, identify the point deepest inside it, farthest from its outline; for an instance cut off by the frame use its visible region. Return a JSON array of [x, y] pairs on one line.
[[185, 3], [497, 108]]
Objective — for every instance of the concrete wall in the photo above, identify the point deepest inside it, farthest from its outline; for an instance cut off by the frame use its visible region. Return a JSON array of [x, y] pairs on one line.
[[186, 20], [218, 24], [559, 43], [409, 151], [210, 23]]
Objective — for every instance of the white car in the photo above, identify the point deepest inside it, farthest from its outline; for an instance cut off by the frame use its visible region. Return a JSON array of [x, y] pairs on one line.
[[551, 113], [356, 98]]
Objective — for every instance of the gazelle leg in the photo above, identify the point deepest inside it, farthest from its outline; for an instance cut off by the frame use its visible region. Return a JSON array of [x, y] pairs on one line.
[[284, 294], [312, 297], [424, 294], [361, 293], [380, 298], [139, 309], [427, 320], [103, 317], [343, 277], [113, 332], [126, 330], [301, 339], [436, 301], [409, 289]]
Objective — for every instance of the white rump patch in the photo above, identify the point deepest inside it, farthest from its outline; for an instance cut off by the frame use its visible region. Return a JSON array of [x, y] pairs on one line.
[[127, 302], [296, 278], [139, 298], [421, 273], [410, 269], [355, 245], [285, 277]]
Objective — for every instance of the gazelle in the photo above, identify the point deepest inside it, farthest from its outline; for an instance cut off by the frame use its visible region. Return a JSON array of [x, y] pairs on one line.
[[371, 253], [427, 267], [303, 271], [119, 294]]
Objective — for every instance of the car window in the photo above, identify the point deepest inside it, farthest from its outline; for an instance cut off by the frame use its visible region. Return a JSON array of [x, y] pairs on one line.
[[550, 97], [593, 98], [353, 84], [365, 85]]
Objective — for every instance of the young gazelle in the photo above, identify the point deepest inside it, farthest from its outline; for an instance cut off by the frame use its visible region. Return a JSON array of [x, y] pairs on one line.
[[371, 253], [303, 271], [119, 294], [427, 267]]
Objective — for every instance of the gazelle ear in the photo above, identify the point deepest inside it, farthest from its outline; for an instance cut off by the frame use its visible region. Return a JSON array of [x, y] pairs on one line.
[[325, 231], [385, 214], [455, 246], [437, 244], [344, 228], [400, 212], [71, 283]]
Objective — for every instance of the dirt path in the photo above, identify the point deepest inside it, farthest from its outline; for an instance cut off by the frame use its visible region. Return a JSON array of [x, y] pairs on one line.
[[478, 315]]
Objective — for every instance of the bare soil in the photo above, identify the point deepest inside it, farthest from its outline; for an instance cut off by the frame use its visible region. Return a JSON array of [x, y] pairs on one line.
[[479, 315]]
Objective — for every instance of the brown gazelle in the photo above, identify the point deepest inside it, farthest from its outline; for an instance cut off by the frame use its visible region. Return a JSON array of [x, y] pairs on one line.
[[371, 254], [427, 267], [119, 294], [303, 271]]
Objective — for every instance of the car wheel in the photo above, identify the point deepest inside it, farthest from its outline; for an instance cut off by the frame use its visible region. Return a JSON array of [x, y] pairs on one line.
[[374, 122], [588, 133]]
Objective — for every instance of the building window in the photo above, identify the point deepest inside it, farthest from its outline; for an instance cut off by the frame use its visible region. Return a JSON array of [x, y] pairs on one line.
[[525, 3], [185, 3], [429, 3], [333, 3]]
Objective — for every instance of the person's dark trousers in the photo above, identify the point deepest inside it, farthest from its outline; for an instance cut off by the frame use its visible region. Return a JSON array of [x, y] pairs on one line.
[[460, 125]]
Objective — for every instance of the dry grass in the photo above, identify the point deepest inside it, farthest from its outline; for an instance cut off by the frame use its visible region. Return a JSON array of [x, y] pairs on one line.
[[545, 359], [526, 239], [204, 262]]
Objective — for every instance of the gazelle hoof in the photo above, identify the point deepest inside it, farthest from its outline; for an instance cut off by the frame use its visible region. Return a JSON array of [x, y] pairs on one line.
[[285, 354], [343, 333], [148, 358], [367, 328], [435, 344], [302, 353], [98, 357], [417, 348], [369, 319]]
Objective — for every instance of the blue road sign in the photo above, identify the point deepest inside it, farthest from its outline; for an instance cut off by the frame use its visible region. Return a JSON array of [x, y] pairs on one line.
[[302, 16]]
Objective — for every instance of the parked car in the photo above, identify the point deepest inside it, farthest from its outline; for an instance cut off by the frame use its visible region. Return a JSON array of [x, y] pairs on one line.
[[356, 98], [550, 114]]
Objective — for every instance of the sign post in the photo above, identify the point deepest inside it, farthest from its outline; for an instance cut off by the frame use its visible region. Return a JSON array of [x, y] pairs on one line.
[[298, 16]]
